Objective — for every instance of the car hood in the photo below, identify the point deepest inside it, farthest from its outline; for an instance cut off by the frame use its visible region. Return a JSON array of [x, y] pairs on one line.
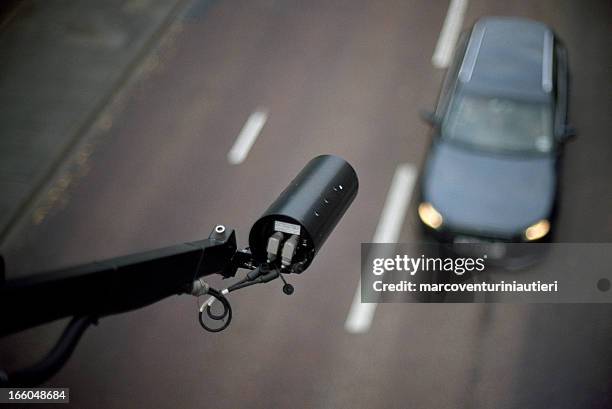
[[488, 193]]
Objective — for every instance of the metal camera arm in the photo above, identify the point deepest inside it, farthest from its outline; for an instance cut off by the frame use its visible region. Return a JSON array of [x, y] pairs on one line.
[[116, 285], [113, 286]]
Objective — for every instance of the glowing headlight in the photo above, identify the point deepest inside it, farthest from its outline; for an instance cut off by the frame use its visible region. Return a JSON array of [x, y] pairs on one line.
[[429, 215], [537, 230]]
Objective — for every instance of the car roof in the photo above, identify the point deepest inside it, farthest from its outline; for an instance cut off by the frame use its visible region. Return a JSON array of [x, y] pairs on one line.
[[509, 56]]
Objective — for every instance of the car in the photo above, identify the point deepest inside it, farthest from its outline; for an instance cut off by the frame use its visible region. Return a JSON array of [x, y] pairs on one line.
[[492, 170]]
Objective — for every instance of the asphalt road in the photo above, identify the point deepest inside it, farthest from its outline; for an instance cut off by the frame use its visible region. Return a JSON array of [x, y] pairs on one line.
[[343, 77]]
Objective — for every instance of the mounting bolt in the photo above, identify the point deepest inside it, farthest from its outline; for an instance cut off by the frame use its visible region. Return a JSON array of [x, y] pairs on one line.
[[218, 232]]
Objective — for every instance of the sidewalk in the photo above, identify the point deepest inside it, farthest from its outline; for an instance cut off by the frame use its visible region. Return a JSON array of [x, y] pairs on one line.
[[61, 61]]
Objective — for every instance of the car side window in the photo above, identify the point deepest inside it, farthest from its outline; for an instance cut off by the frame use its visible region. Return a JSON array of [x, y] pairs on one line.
[[450, 80]]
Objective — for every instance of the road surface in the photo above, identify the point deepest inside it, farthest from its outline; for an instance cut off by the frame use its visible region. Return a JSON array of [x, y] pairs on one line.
[[340, 77]]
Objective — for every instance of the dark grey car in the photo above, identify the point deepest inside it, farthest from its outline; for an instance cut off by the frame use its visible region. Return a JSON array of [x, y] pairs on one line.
[[499, 127]]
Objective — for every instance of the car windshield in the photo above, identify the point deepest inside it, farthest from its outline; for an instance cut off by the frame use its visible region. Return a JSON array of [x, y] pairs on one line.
[[499, 124]]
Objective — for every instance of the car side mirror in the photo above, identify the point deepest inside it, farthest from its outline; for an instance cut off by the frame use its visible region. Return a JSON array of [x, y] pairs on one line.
[[568, 134], [431, 118]]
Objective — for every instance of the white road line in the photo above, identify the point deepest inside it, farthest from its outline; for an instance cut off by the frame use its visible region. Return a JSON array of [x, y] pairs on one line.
[[449, 34], [247, 136], [388, 230]]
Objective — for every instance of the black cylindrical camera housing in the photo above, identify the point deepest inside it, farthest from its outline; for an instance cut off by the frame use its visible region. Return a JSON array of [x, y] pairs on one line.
[[310, 206]]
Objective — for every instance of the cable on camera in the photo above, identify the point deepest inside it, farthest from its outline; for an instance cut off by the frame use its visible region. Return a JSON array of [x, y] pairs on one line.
[[206, 312]]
